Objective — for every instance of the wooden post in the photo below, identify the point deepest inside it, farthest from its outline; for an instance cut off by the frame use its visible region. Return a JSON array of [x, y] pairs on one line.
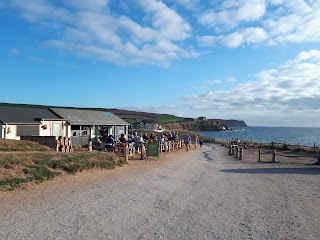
[[259, 155], [236, 152], [273, 155], [90, 145], [241, 154], [70, 145], [143, 150], [126, 152]]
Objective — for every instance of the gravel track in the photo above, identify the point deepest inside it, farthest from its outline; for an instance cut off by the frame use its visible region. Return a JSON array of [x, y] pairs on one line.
[[199, 194]]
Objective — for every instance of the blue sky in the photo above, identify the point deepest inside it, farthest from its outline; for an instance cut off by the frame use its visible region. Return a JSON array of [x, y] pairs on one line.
[[251, 60]]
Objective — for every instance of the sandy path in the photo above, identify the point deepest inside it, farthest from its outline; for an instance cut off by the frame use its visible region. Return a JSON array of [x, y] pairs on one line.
[[187, 195]]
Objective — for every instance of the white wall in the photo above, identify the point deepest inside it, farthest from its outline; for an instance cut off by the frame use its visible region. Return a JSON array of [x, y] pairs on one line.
[[10, 132], [48, 131]]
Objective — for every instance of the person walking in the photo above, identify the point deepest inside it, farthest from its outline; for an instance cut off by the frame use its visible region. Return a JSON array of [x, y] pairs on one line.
[[200, 142], [187, 141]]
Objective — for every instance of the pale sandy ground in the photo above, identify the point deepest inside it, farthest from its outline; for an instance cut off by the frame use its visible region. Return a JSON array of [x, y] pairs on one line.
[[185, 195]]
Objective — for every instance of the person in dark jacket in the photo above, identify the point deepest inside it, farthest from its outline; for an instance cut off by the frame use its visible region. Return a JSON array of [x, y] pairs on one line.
[[109, 142]]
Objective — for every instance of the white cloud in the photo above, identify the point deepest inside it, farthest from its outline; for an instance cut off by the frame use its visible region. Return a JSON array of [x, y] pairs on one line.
[[233, 13], [189, 4], [170, 24], [42, 11], [92, 30], [214, 81], [158, 33], [231, 79], [244, 36], [291, 88], [210, 41], [289, 21]]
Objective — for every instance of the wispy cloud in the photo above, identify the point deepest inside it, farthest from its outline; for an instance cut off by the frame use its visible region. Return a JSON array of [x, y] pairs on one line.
[[91, 29], [160, 32], [208, 84], [289, 89], [238, 23], [15, 51]]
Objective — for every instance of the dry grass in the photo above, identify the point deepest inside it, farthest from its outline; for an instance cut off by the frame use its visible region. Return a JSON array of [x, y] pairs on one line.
[[23, 161], [282, 156]]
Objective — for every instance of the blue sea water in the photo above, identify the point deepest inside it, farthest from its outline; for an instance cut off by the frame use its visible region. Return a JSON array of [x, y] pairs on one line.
[[288, 135]]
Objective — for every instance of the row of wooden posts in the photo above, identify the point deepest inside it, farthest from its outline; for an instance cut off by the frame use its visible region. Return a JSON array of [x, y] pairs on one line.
[[63, 144], [59, 144], [169, 146], [238, 150]]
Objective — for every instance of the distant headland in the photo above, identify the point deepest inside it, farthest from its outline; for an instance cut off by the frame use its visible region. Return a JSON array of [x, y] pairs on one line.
[[166, 120]]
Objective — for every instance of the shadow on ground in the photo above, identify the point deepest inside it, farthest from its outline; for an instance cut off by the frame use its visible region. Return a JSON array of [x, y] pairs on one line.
[[308, 171], [207, 156]]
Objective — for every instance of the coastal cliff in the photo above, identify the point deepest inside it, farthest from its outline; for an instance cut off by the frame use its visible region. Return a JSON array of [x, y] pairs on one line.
[[235, 123], [198, 125]]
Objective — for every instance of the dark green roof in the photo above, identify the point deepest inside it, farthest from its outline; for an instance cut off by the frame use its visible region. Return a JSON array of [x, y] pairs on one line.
[[89, 117], [25, 115]]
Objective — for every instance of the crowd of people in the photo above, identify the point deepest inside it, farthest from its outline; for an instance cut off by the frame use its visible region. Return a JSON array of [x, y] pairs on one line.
[[110, 142]]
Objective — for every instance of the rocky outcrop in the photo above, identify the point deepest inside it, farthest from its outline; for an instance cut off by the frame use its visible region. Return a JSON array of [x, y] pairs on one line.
[[198, 126], [235, 123]]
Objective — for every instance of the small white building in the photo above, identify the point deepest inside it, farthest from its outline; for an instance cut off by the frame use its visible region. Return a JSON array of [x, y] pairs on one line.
[[145, 124], [17, 121], [83, 124]]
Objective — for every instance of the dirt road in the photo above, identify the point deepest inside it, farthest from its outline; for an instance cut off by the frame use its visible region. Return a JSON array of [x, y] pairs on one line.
[[187, 195]]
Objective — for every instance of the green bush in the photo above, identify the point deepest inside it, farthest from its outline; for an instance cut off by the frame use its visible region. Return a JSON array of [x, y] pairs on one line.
[[13, 182], [40, 173]]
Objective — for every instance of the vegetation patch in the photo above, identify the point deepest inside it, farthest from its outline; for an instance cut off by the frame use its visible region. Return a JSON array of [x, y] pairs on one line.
[[21, 145], [19, 167]]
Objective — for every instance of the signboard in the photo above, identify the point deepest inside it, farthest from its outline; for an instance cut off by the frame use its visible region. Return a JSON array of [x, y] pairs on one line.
[[152, 149]]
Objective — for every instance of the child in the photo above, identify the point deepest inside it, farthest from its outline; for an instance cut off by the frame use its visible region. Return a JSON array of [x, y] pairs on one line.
[[200, 142]]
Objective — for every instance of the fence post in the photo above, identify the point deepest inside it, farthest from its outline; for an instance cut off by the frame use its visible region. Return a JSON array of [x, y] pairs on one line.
[[126, 149], [259, 155], [241, 154], [143, 150], [90, 145], [273, 155]]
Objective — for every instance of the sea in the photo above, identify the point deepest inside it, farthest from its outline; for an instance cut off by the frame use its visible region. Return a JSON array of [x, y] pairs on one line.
[[303, 136]]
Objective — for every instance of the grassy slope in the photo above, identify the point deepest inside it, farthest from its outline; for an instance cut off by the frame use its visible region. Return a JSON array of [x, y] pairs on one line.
[[24, 161]]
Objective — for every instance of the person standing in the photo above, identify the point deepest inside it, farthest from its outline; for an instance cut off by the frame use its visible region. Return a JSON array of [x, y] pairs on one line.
[[200, 142], [196, 142], [187, 141]]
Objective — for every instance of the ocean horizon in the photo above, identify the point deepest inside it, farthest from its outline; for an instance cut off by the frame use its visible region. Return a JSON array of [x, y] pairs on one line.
[[304, 136]]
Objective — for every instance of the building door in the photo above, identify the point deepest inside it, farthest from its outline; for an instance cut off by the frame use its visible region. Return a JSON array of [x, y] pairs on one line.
[[56, 129]]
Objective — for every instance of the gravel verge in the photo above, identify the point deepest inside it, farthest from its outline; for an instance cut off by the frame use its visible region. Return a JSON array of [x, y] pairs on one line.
[[199, 194]]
